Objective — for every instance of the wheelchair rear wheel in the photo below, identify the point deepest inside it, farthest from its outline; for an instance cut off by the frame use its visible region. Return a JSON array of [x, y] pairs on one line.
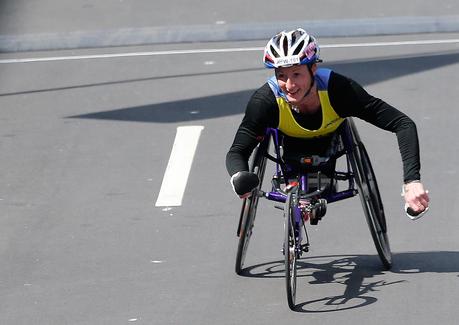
[[371, 199], [249, 206]]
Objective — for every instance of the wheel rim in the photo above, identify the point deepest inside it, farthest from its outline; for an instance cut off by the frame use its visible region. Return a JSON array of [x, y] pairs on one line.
[[249, 212], [247, 233], [373, 208], [372, 204]]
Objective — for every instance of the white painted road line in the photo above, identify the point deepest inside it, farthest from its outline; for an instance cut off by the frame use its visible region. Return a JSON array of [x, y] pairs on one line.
[[179, 166], [223, 50]]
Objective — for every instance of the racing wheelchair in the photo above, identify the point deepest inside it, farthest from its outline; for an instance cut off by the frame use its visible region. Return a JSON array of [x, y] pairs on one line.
[[304, 189]]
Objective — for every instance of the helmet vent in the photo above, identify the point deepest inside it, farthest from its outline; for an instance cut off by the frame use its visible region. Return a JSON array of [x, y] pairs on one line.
[[274, 52], [285, 46], [298, 48]]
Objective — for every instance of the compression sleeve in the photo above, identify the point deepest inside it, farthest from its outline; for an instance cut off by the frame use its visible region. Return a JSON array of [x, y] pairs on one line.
[[261, 113], [348, 98]]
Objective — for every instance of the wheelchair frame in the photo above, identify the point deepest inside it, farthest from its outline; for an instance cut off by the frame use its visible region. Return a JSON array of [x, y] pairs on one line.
[[303, 203]]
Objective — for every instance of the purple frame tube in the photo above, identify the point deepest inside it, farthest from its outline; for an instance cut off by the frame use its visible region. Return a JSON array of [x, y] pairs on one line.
[[280, 170]]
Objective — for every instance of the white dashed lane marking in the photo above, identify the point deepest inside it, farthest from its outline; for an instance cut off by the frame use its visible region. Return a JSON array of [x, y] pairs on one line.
[[179, 166]]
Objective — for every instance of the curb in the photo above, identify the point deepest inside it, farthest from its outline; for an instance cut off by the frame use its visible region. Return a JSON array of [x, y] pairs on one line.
[[226, 32]]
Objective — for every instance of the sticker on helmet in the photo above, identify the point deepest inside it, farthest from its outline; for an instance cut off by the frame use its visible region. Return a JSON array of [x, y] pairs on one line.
[[310, 50], [295, 59]]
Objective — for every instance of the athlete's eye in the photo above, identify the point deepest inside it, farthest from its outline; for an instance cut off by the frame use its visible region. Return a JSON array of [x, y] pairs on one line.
[[281, 76]]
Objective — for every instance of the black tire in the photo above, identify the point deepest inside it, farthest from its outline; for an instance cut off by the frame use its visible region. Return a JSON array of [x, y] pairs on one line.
[[290, 252], [370, 199], [249, 206]]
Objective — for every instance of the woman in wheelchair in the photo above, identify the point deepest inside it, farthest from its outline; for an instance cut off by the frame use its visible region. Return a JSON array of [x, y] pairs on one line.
[[307, 104]]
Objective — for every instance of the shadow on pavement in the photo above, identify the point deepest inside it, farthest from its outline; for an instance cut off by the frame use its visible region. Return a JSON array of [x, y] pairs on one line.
[[365, 72], [354, 272], [179, 111], [426, 262], [127, 81]]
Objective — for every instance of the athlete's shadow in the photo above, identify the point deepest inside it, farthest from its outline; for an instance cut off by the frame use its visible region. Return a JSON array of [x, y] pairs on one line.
[[354, 272]]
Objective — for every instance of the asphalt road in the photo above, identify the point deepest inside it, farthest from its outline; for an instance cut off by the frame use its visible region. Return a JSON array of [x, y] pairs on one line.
[[23, 17], [84, 146]]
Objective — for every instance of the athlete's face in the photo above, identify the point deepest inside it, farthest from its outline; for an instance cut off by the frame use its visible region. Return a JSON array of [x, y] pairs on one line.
[[295, 82]]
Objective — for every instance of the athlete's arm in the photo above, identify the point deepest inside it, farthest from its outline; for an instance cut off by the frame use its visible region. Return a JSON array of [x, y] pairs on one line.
[[261, 113], [350, 99]]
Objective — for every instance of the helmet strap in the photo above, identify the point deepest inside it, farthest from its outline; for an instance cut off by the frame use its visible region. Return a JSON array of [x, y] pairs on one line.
[[313, 81]]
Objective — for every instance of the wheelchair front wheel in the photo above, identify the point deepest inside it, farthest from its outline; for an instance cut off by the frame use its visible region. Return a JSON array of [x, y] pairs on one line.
[[371, 201], [290, 248]]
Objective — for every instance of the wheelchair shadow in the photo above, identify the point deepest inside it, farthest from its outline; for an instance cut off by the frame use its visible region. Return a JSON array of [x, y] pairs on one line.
[[354, 272]]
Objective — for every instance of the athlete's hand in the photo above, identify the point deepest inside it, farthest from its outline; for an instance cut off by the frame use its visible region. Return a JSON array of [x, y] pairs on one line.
[[416, 197], [243, 183]]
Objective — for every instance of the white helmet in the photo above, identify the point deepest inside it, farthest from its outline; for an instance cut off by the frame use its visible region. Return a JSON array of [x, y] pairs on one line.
[[289, 48]]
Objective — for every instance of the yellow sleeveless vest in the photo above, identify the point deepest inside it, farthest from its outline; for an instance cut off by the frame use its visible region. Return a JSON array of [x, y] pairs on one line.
[[287, 123]]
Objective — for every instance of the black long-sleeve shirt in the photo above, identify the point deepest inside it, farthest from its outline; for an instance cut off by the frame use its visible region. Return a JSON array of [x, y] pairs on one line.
[[347, 98]]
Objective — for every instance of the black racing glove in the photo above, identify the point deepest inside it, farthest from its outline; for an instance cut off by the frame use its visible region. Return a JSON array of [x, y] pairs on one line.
[[244, 182]]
